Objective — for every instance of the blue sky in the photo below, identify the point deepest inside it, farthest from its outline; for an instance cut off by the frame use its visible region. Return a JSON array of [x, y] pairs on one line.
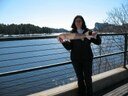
[[55, 13]]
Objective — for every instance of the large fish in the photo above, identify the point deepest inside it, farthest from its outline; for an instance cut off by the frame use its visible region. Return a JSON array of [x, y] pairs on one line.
[[71, 36]]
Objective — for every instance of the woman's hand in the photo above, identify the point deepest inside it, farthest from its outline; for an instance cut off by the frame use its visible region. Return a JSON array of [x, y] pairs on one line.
[[94, 34], [62, 40]]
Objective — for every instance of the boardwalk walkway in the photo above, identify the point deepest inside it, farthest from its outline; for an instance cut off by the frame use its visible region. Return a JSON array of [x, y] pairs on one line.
[[120, 89]]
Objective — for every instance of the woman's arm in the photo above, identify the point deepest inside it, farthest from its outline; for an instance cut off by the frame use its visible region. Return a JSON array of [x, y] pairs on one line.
[[67, 45], [96, 40]]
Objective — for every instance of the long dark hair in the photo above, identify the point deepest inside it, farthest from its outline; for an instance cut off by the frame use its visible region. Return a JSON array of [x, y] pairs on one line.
[[73, 26]]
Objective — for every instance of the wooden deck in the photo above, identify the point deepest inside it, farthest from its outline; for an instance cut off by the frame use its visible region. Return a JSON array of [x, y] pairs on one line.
[[120, 89]]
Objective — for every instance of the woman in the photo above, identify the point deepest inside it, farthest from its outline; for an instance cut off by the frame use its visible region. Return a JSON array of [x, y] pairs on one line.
[[82, 56]]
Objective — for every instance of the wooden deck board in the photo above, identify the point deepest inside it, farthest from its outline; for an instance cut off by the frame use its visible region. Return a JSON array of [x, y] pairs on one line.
[[120, 89]]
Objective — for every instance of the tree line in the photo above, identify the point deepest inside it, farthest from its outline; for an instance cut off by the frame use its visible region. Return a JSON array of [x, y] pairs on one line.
[[11, 29]]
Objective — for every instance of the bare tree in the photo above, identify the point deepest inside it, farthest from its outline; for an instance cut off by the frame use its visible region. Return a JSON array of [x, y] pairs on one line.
[[119, 17]]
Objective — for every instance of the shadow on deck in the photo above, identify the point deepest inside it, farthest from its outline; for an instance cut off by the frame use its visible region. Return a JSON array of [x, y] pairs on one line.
[[118, 89]]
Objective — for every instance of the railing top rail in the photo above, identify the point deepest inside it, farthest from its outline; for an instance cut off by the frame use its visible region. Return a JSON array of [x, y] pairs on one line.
[[34, 68], [25, 38], [46, 37]]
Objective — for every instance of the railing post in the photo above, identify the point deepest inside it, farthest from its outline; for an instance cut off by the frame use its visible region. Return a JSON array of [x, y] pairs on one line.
[[100, 57], [125, 50]]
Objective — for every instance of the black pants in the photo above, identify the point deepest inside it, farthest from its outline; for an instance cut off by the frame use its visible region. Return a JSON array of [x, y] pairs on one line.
[[83, 70]]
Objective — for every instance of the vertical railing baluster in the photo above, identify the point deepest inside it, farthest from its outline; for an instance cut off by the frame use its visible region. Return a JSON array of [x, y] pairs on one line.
[[125, 50], [100, 57]]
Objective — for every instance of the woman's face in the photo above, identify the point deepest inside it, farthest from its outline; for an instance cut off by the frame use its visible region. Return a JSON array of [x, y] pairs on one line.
[[78, 23]]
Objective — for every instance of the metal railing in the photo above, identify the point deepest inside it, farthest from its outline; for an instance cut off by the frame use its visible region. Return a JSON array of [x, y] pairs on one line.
[[32, 64]]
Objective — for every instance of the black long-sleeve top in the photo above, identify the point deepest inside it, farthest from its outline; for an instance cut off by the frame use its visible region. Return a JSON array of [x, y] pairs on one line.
[[81, 49]]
